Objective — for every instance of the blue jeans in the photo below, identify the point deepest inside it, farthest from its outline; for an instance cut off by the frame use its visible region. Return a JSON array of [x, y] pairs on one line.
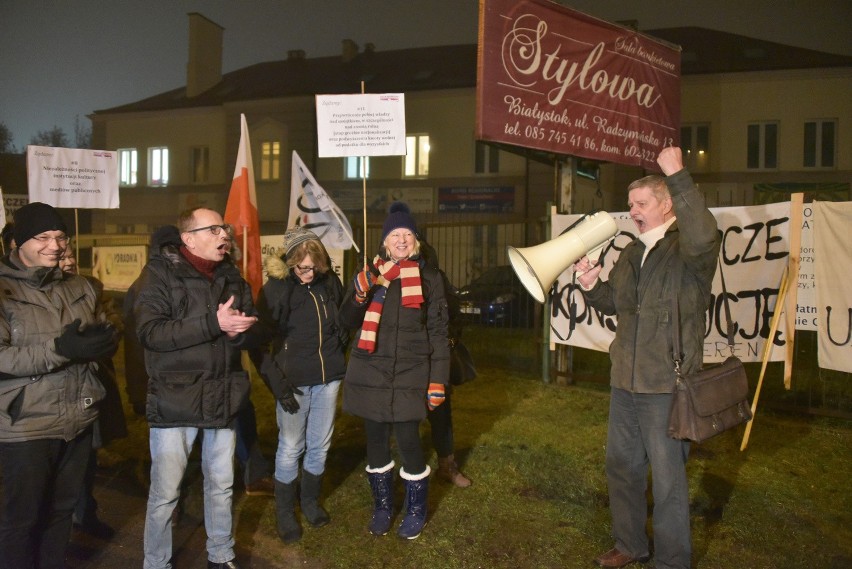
[[637, 436], [306, 432], [170, 448]]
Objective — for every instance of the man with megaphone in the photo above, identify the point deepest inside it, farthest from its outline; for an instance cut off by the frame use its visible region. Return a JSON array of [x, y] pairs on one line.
[[677, 236]]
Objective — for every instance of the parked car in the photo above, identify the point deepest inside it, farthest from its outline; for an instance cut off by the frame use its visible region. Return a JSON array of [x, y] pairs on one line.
[[497, 298]]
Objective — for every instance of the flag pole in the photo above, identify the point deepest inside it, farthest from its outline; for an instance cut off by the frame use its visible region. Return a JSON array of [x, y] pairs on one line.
[[245, 250]]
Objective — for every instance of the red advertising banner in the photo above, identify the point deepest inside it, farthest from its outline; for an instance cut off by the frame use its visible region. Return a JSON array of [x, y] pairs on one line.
[[557, 80]]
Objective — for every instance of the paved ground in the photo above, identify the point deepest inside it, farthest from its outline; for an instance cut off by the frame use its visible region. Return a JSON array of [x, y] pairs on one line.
[[121, 502]]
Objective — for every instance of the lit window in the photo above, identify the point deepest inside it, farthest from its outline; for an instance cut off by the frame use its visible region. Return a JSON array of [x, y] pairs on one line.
[[487, 159], [270, 160], [158, 166], [200, 163], [352, 167], [416, 156], [128, 166], [762, 146], [695, 143], [819, 144]]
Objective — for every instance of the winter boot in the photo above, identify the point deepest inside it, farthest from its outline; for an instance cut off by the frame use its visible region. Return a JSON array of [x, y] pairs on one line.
[[381, 483], [289, 529], [448, 470], [416, 492], [310, 491]]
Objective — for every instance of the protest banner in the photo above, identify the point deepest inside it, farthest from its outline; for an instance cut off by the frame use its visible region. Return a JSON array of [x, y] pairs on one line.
[[361, 125], [72, 177], [755, 250]]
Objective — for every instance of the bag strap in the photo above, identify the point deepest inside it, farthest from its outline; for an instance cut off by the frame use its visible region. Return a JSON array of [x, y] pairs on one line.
[[677, 349]]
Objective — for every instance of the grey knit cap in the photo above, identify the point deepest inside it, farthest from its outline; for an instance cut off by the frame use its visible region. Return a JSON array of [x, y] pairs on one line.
[[295, 236]]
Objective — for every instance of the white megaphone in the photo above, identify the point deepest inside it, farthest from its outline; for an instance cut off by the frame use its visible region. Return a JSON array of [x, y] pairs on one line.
[[538, 267]]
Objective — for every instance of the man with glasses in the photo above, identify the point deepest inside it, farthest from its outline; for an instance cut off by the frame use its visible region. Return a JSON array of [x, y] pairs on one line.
[[194, 314], [52, 331]]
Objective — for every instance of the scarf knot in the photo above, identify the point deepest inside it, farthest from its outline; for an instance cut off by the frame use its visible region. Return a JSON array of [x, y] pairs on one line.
[[408, 273]]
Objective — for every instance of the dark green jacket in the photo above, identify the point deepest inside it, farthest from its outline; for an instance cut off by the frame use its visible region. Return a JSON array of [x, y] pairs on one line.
[[641, 353], [44, 395]]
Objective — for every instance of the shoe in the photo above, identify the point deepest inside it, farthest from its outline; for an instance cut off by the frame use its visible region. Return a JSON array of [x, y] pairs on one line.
[[289, 530], [232, 564], [615, 558], [310, 491], [381, 485], [262, 487], [416, 494], [449, 471], [96, 528]]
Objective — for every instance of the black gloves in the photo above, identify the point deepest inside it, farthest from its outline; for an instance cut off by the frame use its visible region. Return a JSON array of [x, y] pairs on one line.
[[288, 400], [94, 343]]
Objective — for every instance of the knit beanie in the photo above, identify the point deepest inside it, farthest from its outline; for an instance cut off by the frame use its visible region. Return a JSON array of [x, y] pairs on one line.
[[34, 219], [295, 236], [399, 216]]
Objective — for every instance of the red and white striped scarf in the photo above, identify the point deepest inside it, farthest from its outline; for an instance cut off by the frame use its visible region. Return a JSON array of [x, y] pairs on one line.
[[412, 296]]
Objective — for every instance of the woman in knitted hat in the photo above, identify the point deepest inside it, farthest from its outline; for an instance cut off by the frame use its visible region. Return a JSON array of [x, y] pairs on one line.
[[398, 366], [299, 305]]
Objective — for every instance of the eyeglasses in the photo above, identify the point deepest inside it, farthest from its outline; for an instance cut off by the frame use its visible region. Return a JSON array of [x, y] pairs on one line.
[[305, 269], [215, 229], [62, 240]]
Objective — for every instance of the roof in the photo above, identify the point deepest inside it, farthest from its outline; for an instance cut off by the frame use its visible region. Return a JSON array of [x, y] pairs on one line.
[[705, 51]]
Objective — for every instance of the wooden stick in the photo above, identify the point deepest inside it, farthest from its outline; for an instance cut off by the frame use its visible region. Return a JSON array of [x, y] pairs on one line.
[[796, 203], [364, 194], [767, 350]]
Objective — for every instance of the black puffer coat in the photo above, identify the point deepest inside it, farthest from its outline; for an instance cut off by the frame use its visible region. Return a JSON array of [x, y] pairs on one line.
[[389, 385], [308, 342], [196, 378]]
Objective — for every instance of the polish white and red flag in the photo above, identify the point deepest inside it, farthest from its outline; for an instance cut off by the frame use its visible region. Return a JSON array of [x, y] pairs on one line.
[[241, 213]]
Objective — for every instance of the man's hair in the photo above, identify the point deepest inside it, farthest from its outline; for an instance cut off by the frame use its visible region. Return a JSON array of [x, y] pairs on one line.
[[186, 219], [311, 247], [657, 185]]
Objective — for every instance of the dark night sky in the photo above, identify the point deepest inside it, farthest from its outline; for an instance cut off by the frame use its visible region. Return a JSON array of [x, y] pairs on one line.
[[61, 59]]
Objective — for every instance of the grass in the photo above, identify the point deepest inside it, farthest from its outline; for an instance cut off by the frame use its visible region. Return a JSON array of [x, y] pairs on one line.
[[536, 454]]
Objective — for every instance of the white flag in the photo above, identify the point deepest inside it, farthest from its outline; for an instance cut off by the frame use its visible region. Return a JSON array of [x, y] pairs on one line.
[[2, 209], [312, 208]]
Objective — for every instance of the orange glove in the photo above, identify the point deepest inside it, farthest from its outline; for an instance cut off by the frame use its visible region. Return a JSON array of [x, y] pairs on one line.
[[363, 282], [435, 395]]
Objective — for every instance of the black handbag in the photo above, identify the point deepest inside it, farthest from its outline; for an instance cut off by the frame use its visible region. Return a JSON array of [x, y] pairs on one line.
[[462, 368], [713, 399]]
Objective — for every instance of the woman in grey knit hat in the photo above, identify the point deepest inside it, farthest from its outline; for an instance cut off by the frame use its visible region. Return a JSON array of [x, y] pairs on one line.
[[303, 368]]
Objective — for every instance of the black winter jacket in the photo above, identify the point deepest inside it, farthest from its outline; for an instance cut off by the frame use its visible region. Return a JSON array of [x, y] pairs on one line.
[[389, 385], [308, 344], [196, 378]]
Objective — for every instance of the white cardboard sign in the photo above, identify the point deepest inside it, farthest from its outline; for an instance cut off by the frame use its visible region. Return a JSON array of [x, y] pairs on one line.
[[361, 125]]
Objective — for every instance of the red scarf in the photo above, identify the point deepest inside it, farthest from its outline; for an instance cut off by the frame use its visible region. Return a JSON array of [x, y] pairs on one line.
[[204, 266], [412, 296]]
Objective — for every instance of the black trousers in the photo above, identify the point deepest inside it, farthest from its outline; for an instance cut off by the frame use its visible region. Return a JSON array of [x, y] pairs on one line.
[[42, 480], [407, 439], [441, 422]]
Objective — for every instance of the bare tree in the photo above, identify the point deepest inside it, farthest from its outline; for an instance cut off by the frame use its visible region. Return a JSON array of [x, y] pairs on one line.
[[6, 146], [55, 137], [82, 134]]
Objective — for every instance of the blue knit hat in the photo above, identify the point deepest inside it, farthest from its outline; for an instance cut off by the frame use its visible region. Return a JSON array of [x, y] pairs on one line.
[[399, 216]]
